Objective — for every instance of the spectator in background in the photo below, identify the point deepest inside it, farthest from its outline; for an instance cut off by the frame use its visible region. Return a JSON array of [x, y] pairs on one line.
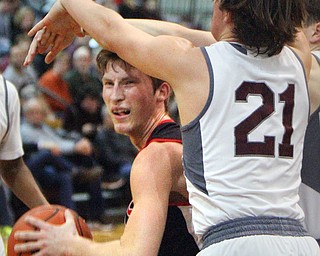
[[139, 9], [114, 152], [23, 20], [7, 10], [36, 132], [24, 78], [52, 86], [81, 74], [84, 115], [40, 7]]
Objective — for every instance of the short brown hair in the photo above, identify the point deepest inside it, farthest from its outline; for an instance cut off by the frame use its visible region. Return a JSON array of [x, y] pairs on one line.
[[265, 25]]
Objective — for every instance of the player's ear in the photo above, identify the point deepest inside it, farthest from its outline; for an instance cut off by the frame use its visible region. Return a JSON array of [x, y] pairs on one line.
[[316, 34], [164, 91], [315, 37]]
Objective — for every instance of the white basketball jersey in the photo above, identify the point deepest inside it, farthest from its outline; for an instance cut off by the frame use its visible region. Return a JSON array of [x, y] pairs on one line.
[[242, 154], [10, 138]]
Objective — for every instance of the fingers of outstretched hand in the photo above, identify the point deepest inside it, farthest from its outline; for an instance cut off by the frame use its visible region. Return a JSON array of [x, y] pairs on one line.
[[30, 247], [60, 43], [33, 50], [40, 25], [35, 46], [45, 38]]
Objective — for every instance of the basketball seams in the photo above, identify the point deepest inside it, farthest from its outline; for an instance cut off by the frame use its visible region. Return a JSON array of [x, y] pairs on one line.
[[78, 225]]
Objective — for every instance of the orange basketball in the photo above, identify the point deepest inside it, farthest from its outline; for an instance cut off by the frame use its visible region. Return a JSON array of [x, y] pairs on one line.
[[51, 213]]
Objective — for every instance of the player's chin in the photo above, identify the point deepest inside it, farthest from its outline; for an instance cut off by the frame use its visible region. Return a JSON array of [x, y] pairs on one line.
[[121, 128]]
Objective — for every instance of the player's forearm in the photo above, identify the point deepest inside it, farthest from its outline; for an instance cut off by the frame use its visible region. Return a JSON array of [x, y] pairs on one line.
[[158, 27], [22, 183], [84, 247]]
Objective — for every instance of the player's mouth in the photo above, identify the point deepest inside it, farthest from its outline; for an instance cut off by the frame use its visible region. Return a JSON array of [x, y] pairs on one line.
[[120, 112]]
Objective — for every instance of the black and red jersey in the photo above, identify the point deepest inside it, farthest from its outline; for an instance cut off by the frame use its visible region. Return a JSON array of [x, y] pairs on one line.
[[176, 239]]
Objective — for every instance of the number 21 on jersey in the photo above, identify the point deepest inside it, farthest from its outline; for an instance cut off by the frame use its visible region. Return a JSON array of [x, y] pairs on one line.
[[244, 147]]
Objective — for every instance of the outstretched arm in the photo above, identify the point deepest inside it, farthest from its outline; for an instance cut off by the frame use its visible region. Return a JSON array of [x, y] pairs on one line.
[[158, 27], [45, 40]]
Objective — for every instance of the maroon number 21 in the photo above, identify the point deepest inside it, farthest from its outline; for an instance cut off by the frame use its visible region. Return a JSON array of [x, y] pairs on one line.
[[267, 146]]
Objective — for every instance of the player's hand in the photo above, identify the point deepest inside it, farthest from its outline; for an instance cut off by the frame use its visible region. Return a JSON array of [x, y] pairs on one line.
[[49, 239], [53, 33], [47, 42]]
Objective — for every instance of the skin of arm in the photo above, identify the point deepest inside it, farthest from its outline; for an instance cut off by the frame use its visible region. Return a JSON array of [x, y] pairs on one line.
[[44, 39], [20, 180], [158, 27], [151, 182]]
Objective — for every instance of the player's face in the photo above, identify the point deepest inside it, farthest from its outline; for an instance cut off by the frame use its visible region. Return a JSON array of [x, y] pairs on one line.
[[36, 115], [130, 99]]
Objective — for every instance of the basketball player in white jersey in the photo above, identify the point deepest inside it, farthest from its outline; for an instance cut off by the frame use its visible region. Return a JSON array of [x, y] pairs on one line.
[[243, 103], [12, 167], [310, 173]]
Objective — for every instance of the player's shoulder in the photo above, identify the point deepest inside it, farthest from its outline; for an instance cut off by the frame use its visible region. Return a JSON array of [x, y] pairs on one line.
[[158, 154]]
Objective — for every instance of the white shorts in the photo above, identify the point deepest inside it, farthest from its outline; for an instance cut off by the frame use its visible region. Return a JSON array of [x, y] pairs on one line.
[[264, 245]]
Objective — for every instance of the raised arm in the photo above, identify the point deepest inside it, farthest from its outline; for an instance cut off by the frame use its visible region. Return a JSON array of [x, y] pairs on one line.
[[174, 55], [112, 32], [158, 27]]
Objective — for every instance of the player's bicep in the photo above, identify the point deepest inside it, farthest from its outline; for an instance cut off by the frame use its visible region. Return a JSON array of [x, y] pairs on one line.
[[150, 190]]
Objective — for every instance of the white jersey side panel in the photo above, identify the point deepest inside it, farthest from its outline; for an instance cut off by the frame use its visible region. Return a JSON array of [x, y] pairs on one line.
[[10, 143], [242, 155]]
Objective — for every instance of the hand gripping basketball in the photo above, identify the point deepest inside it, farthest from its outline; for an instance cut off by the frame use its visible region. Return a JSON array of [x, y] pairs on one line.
[[54, 214]]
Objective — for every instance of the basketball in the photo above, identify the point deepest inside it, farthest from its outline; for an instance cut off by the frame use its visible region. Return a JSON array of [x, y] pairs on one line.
[[50, 213]]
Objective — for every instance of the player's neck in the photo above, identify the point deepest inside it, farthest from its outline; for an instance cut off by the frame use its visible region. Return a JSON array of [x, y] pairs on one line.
[[141, 141]]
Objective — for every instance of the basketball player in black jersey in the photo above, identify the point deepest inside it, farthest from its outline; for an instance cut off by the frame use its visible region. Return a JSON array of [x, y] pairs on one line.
[[137, 104]]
